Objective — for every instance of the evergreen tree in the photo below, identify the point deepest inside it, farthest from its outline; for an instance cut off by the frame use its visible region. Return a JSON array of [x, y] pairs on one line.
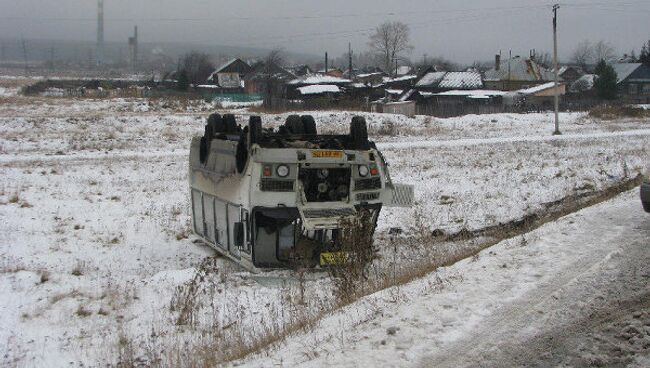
[[605, 84], [183, 81], [645, 54]]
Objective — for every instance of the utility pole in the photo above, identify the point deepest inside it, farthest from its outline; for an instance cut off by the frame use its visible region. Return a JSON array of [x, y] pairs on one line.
[[100, 32], [350, 61], [25, 56], [556, 92], [51, 59]]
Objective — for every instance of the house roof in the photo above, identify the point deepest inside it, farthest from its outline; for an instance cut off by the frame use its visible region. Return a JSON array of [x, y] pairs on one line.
[[316, 89], [519, 69], [623, 70], [451, 80], [461, 80], [400, 79], [273, 71], [430, 79], [584, 83], [537, 89], [477, 93], [318, 79]]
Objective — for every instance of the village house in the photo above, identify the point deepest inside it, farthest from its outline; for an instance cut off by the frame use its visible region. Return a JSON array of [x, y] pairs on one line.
[[516, 73], [307, 85], [570, 74], [264, 79], [633, 81], [230, 75]]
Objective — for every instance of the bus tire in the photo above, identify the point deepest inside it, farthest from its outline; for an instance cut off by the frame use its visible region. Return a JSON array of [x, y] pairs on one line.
[[254, 130], [359, 132], [294, 124], [230, 123], [309, 125]]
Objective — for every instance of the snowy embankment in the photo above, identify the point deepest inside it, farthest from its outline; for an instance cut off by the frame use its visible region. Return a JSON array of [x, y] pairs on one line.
[[532, 300], [94, 238]]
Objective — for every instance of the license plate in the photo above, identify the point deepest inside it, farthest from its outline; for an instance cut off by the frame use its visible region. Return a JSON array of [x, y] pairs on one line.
[[327, 154], [333, 258]]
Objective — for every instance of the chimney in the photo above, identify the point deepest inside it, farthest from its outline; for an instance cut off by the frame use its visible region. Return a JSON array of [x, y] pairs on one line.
[[326, 63], [497, 62]]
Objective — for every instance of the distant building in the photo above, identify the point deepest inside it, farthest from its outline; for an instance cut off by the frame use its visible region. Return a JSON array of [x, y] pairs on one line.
[[516, 73], [230, 75], [570, 74], [265, 79], [633, 80]]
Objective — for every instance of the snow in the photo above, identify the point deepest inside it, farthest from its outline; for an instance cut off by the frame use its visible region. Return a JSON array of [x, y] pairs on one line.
[[211, 86], [480, 93], [461, 80], [399, 79], [319, 89], [536, 89], [550, 281], [319, 79], [394, 91], [430, 79], [584, 83], [95, 213]]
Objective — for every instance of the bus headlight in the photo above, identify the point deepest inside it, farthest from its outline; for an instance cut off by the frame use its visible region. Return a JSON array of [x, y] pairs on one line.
[[282, 171], [363, 170]]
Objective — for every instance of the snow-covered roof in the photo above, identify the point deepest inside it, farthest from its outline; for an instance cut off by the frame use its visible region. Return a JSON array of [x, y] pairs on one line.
[[394, 91], [461, 80], [478, 93], [400, 79], [584, 83], [319, 79], [318, 89], [430, 79], [366, 75], [358, 85], [623, 70], [536, 89]]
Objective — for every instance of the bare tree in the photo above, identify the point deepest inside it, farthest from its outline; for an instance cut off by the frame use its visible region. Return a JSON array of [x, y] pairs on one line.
[[197, 66], [604, 51], [587, 54], [583, 54], [390, 40], [271, 75]]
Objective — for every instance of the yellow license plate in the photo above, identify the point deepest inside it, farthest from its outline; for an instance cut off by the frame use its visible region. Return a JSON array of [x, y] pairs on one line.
[[333, 258], [327, 154]]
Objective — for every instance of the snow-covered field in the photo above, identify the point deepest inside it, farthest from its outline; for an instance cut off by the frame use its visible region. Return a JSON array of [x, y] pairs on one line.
[[96, 257]]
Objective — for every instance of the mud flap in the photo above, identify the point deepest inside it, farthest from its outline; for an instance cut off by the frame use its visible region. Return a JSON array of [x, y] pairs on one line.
[[401, 195], [322, 218]]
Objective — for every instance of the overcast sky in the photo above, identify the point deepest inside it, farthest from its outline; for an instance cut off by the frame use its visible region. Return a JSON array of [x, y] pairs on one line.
[[461, 30]]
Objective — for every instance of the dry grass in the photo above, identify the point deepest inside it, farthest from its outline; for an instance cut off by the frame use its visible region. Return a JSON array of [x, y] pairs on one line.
[[617, 112]]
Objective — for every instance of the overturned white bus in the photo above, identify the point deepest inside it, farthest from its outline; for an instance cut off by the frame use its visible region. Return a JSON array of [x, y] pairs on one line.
[[274, 198]]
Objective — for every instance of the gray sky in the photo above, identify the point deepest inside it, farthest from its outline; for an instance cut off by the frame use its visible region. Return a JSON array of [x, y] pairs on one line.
[[461, 30]]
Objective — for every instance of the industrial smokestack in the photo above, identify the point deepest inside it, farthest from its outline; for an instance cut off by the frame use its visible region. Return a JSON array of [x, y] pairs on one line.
[[100, 32], [497, 62], [326, 61]]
